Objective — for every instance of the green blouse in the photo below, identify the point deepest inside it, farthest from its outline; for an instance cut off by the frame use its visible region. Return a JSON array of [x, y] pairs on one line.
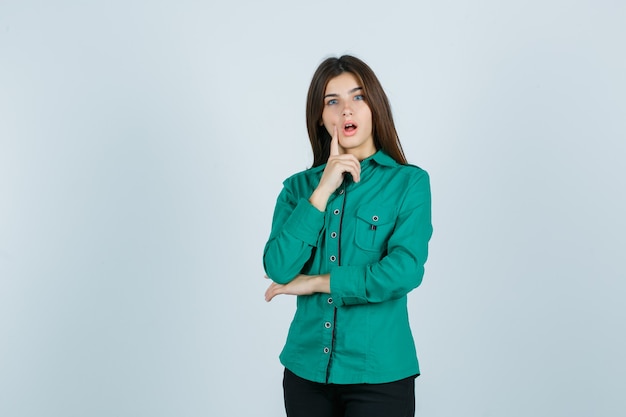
[[373, 240]]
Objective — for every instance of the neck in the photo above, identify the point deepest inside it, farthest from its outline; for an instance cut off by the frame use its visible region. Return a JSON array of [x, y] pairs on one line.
[[362, 154]]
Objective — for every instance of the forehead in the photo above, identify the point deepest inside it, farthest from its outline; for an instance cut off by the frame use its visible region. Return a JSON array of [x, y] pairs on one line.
[[342, 83]]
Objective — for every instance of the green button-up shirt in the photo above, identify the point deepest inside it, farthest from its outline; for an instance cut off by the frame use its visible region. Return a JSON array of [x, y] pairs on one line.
[[373, 240]]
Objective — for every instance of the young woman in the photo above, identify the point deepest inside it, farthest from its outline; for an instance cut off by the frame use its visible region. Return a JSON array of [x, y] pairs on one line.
[[350, 238]]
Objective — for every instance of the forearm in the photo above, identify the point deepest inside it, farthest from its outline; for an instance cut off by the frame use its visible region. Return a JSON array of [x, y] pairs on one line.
[[295, 232], [300, 285], [376, 283], [322, 284], [319, 198], [284, 258]]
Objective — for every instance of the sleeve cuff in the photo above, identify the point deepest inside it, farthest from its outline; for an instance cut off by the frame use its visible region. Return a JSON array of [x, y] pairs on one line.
[[305, 223], [347, 285]]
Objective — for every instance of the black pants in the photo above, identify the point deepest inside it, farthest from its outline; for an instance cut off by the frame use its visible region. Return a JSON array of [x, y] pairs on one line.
[[304, 398]]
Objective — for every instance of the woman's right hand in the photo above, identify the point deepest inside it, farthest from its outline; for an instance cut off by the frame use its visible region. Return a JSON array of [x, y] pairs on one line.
[[338, 164]]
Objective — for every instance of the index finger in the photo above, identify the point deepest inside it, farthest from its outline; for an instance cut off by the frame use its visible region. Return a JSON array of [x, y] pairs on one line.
[[334, 143]]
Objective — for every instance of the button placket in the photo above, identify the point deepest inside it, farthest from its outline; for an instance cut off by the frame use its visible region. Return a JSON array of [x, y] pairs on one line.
[[328, 327], [334, 217], [334, 224]]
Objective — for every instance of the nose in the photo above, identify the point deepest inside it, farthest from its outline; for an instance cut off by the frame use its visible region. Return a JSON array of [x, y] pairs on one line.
[[346, 111]]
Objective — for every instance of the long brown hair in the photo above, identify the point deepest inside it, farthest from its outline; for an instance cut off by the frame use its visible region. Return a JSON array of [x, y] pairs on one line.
[[383, 128]]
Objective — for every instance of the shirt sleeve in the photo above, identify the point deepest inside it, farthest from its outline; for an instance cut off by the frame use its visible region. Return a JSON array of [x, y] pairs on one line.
[[402, 268], [296, 227]]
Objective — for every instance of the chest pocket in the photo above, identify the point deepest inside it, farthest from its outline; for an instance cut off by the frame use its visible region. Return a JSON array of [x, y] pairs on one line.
[[374, 225]]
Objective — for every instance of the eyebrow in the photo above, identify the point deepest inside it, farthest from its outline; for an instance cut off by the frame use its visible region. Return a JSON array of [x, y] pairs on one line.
[[355, 89]]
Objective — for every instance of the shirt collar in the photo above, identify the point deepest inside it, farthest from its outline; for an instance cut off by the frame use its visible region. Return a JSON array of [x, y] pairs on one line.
[[381, 158]]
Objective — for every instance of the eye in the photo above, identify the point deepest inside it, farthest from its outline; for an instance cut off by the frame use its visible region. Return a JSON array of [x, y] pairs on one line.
[[332, 101], [359, 97]]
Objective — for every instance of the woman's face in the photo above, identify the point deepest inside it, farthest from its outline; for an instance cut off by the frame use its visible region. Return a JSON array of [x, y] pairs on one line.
[[346, 109]]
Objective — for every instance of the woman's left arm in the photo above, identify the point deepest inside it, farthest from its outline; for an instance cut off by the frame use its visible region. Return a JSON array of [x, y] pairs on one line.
[[402, 268]]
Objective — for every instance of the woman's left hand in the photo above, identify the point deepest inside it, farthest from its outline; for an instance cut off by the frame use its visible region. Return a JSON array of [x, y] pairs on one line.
[[300, 285]]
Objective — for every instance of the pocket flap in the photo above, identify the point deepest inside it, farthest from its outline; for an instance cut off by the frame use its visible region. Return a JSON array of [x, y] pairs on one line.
[[375, 214]]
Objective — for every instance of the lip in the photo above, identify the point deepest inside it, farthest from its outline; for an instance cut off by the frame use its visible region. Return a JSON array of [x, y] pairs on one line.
[[351, 132]]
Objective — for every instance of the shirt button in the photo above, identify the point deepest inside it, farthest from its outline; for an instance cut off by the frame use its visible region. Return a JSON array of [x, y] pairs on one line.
[[336, 212], [330, 300], [326, 350], [327, 325], [341, 191], [375, 218], [333, 258], [333, 235]]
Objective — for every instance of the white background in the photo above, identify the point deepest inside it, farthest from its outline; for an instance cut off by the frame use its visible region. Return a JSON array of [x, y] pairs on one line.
[[143, 144]]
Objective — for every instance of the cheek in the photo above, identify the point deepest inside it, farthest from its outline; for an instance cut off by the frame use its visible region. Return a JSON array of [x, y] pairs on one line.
[[365, 109], [367, 115], [329, 119]]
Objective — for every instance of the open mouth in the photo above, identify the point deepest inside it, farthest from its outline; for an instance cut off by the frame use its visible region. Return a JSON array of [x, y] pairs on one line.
[[349, 128]]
